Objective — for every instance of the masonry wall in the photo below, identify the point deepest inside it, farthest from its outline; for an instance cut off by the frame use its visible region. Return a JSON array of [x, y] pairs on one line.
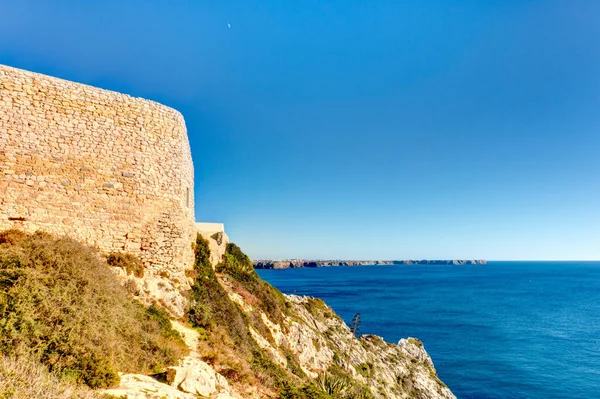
[[102, 167]]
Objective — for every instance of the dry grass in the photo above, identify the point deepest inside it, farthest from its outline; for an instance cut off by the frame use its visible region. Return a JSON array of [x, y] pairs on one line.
[[25, 378], [127, 262]]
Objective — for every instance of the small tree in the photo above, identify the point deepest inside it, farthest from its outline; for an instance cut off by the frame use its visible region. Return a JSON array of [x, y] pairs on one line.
[[355, 329], [355, 325]]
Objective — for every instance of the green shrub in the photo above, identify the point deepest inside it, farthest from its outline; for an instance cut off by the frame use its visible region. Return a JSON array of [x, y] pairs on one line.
[[293, 365], [416, 342], [338, 381], [365, 369], [227, 343], [336, 358], [307, 391], [202, 252], [237, 264], [334, 385], [130, 263], [200, 314], [60, 302], [210, 304]]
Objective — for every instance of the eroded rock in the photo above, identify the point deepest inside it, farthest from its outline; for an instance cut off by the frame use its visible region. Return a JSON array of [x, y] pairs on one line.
[[137, 386], [196, 377]]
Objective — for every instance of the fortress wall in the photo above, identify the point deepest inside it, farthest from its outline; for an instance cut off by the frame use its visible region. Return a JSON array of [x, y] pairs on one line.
[[102, 167]]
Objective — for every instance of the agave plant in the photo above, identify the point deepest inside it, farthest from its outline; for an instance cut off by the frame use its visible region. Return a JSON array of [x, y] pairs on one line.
[[333, 385]]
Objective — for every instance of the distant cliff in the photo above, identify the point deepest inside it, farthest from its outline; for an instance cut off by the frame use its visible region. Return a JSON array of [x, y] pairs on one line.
[[297, 263]]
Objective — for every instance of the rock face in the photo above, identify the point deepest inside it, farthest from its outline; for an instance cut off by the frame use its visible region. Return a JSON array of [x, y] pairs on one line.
[[107, 169], [196, 377], [314, 335], [297, 263], [391, 371], [136, 386], [320, 339], [193, 375]]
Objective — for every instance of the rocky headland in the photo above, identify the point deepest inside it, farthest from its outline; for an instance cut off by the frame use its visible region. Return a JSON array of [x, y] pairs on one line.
[[240, 338], [298, 263], [110, 290]]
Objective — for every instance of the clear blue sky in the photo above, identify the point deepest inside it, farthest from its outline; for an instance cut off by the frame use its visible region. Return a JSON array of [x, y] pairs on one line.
[[359, 129]]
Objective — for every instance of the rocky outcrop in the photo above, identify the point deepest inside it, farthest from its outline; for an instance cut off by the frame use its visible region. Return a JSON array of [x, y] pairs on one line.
[[298, 263], [217, 239], [136, 386], [320, 340], [259, 342], [189, 380], [194, 375]]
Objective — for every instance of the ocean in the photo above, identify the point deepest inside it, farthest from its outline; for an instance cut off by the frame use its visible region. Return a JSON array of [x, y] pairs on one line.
[[496, 331]]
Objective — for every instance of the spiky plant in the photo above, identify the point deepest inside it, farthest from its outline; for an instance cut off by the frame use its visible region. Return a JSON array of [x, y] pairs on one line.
[[333, 385]]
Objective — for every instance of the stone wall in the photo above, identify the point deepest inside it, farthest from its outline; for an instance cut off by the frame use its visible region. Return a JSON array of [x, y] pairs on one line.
[[208, 227], [214, 233], [105, 168]]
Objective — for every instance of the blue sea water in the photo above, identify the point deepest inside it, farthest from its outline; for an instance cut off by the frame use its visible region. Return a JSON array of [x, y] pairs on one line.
[[496, 331]]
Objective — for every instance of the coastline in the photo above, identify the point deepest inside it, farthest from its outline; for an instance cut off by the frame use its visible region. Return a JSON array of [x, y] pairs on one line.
[[300, 263]]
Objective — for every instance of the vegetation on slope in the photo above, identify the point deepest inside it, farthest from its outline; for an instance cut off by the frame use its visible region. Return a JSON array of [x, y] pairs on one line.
[[61, 304], [26, 378], [65, 319], [237, 266], [228, 343]]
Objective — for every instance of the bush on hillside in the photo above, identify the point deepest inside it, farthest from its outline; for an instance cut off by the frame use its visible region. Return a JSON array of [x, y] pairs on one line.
[[237, 264], [228, 344], [338, 383], [60, 303], [131, 264], [210, 306], [12, 236]]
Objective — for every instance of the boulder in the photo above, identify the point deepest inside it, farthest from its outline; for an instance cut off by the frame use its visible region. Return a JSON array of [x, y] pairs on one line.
[[137, 386], [196, 377]]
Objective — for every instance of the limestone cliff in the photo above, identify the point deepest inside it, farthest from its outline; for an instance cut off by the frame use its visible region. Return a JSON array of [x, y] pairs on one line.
[[320, 340]]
